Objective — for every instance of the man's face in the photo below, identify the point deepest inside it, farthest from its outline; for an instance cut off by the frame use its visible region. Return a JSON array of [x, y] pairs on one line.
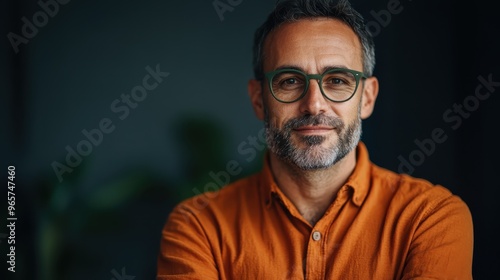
[[313, 132]]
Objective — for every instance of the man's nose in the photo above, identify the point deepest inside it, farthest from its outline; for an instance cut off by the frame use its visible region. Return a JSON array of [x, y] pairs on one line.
[[313, 103]]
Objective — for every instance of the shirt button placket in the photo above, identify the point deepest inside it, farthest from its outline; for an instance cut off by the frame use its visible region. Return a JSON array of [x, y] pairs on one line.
[[314, 263]]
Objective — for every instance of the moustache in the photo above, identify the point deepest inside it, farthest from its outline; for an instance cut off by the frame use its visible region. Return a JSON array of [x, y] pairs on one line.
[[310, 120]]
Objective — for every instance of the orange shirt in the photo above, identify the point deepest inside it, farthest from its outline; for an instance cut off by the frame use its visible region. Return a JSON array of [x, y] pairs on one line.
[[382, 225]]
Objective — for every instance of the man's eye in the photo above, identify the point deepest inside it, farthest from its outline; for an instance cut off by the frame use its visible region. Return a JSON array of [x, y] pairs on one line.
[[290, 81], [336, 81]]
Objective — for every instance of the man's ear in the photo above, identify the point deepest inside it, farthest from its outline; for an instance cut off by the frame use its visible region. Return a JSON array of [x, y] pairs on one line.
[[255, 93], [370, 93]]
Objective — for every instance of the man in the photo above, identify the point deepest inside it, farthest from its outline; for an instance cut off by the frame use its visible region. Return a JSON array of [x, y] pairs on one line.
[[319, 209]]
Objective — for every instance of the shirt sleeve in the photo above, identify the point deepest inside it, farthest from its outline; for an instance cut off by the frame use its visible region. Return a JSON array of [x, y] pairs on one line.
[[185, 251], [442, 245]]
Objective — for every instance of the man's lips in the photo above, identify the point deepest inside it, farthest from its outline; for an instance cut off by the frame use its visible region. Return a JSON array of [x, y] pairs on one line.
[[316, 129]]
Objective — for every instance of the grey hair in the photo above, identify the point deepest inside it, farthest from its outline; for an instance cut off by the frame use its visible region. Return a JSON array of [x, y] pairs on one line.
[[294, 10]]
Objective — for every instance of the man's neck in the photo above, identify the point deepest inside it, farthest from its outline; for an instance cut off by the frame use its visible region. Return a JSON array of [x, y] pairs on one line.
[[312, 192]]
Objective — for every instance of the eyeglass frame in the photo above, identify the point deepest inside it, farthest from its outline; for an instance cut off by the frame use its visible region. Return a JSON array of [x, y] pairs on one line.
[[318, 77]]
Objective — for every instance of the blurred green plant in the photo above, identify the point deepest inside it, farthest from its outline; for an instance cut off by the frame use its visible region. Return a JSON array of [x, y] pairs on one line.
[[68, 214]]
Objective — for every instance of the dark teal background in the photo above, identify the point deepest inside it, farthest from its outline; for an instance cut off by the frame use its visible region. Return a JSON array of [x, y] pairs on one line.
[[104, 218]]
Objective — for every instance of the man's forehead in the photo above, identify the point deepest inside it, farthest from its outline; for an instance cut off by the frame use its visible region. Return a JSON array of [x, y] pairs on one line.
[[320, 39]]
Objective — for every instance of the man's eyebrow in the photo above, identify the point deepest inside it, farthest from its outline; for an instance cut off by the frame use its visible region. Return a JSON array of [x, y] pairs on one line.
[[323, 70], [333, 67], [290, 67]]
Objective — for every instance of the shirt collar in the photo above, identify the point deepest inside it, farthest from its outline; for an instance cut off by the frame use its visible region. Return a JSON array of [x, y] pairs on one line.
[[359, 180]]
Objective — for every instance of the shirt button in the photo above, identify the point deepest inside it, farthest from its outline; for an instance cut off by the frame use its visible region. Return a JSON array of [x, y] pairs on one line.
[[316, 235]]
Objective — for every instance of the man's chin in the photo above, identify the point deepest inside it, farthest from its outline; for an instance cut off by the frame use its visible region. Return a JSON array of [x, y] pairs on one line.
[[312, 157], [312, 164]]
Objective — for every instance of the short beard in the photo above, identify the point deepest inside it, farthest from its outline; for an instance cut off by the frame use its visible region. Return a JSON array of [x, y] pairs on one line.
[[313, 157]]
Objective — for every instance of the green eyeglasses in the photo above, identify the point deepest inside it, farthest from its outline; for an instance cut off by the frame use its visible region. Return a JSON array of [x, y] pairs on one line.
[[290, 85]]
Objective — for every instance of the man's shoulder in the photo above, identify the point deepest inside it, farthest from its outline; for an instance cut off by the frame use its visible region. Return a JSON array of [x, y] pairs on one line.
[[411, 188]]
